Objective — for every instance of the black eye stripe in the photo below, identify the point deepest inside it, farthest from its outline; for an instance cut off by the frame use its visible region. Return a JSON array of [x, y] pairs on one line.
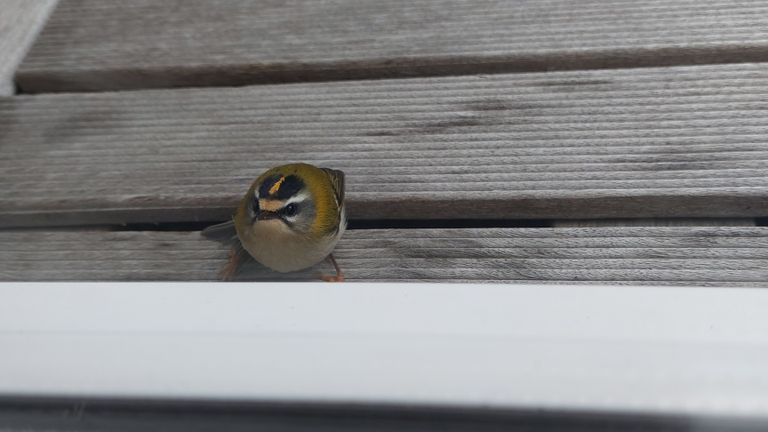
[[291, 209]]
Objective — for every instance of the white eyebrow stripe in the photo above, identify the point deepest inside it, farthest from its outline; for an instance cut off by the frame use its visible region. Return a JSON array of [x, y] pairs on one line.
[[297, 198]]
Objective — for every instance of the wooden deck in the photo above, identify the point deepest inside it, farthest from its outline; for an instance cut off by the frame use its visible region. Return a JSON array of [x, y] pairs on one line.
[[98, 45], [734, 256], [442, 114]]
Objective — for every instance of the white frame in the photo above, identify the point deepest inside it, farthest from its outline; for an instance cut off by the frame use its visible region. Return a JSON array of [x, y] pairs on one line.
[[659, 350]]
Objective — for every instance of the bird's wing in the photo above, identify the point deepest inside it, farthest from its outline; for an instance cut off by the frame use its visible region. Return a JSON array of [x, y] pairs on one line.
[[223, 232], [337, 181], [238, 256]]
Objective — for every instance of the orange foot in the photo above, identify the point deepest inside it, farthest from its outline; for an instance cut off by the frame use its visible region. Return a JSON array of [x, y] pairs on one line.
[[339, 274], [227, 273], [329, 278]]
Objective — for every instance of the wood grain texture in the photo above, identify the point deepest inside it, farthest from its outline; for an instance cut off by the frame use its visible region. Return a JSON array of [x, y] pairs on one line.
[[732, 256], [641, 143], [20, 22], [677, 222], [107, 45]]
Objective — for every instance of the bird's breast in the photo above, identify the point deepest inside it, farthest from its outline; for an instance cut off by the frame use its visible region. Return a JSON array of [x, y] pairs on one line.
[[276, 246]]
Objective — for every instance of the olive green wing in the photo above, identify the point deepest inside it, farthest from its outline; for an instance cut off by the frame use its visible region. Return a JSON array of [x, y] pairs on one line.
[[337, 182], [222, 233], [238, 257]]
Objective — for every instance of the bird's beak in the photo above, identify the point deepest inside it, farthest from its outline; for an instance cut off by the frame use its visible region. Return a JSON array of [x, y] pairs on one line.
[[267, 215]]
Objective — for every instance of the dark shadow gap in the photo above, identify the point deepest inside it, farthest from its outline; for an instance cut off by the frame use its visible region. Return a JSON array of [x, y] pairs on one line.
[[368, 224], [46, 414], [357, 224], [239, 75]]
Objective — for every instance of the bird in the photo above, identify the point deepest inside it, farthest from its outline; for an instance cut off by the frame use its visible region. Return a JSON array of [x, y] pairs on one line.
[[290, 219]]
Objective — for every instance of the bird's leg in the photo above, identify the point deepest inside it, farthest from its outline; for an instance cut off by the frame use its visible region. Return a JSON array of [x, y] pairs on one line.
[[339, 274], [227, 273]]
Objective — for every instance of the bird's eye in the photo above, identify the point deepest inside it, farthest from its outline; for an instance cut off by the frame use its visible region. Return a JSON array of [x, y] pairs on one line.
[[290, 209]]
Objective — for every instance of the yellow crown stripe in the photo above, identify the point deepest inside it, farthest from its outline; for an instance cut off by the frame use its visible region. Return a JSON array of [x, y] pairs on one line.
[[275, 187]]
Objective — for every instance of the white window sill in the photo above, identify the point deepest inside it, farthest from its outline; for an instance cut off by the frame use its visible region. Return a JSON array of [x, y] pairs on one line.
[[691, 351]]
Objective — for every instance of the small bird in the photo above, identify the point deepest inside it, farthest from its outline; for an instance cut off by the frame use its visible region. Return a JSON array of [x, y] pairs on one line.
[[290, 219]]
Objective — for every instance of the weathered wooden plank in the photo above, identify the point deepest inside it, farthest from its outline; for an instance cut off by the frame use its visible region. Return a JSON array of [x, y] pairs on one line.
[[98, 44], [677, 222], [735, 256], [666, 142], [20, 21]]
